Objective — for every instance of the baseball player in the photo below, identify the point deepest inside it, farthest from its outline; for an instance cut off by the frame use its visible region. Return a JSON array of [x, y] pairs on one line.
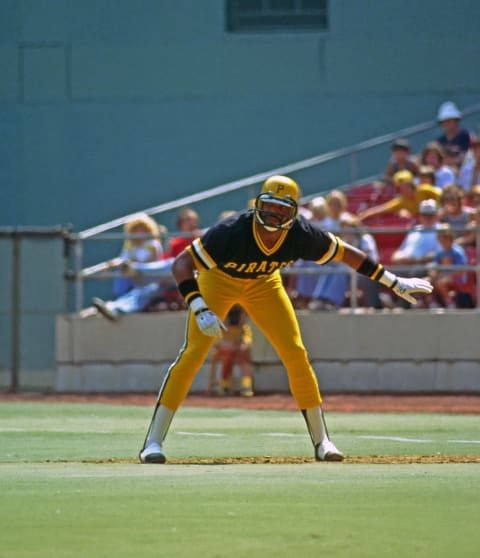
[[238, 261]]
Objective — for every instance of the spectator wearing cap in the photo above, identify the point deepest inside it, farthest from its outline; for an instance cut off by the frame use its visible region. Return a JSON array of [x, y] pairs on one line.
[[420, 244], [449, 117], [469, 173], [433, 154], [400, 160], [406, 202]]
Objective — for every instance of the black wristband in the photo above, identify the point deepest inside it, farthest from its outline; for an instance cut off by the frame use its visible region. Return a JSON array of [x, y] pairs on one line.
[[189, 289], [370, 268]]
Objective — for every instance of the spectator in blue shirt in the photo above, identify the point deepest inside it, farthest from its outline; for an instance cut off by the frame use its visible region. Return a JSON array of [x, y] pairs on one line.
[[450, 285]]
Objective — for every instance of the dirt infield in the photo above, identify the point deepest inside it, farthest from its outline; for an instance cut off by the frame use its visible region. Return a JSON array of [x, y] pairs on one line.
[[359, 460], [291, 460], [379, 403]]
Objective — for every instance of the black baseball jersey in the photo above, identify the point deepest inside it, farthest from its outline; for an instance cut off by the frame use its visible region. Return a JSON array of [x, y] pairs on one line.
[[234, 247]]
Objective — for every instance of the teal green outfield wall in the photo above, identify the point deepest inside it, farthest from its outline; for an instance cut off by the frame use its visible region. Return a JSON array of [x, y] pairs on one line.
[[107, 108]]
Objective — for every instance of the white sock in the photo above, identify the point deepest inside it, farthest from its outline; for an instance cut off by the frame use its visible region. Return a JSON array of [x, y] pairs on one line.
[[159, 426], [316, 425]]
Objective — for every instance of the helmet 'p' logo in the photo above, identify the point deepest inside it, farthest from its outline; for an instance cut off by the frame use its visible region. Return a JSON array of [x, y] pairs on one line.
[[280, 188]]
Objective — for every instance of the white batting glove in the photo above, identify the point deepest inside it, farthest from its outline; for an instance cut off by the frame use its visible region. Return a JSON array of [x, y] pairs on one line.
[[208, 322], [405, 286]]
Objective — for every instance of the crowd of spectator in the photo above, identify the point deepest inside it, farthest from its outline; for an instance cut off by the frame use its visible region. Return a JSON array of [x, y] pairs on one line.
[[422, 193]]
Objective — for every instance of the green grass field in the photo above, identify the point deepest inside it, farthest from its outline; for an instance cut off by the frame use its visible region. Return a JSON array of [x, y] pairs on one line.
[[71, 485]]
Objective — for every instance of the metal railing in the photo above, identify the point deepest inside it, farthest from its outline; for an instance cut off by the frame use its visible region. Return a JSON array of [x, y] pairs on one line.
[[104, 271]]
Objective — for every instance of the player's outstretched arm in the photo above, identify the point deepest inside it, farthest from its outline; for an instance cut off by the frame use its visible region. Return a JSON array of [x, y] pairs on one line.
[[404, 287], [183, 270]]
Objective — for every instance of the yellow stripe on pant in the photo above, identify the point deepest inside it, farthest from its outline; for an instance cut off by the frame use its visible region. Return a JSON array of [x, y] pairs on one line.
[[269, 307]]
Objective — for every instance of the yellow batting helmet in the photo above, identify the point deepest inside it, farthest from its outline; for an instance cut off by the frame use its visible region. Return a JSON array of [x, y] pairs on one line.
[[280, 190]]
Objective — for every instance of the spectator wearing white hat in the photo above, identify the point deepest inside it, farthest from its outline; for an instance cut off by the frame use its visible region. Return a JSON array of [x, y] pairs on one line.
[[420, 245], [449, 117]]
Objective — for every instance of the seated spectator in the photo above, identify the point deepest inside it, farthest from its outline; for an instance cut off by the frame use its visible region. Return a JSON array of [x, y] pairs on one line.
[[235, 348], [138, 249], [420, 244], [469, 173], [450, 286], [472, 202], [188, 223], [426, 175], [330, 292], [454, 212], [319, 209], [408, 198], [449, 117], [451, 158], [300, 287], [336, 210], [146, 292], [134, 291], [401, 159], [353, 233], [433, 154]]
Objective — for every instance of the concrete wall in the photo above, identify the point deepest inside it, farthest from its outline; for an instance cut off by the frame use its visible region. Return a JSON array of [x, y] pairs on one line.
[[386, 352], [33, 274]]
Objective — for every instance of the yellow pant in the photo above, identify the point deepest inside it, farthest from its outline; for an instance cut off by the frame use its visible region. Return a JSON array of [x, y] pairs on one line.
[[269, 307]]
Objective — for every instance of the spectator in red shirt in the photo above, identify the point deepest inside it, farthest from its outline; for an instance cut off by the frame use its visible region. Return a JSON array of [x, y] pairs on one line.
[[188, 224]]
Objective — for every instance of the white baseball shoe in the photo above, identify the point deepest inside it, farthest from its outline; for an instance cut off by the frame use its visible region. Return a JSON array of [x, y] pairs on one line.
[[326, 451], [105, 309], [153, 453]]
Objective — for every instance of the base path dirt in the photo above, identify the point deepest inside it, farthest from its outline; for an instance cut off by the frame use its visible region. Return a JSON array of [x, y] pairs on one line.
[[379, 403]]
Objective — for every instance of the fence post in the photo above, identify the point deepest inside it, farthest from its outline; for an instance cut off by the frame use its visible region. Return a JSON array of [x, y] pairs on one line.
[[15, 313], [78, 275]]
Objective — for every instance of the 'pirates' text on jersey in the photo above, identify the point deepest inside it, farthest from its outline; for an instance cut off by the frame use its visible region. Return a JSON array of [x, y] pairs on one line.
[[234, 247]]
